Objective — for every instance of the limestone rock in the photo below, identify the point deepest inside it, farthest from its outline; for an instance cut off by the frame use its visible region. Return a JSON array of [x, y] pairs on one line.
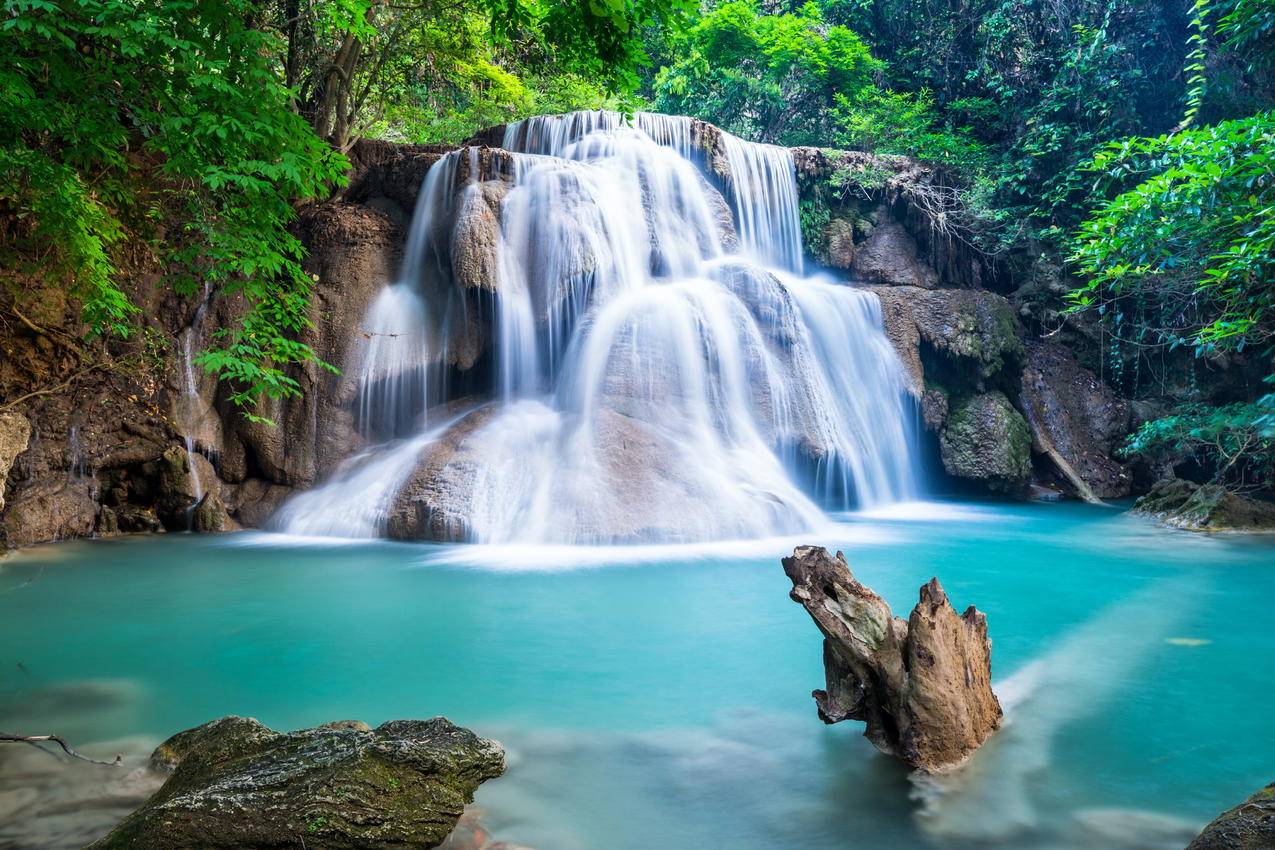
[[970, 336], [475, 237], [1069, 409], [922, 686], [986, 440], [436, 501], [50, 510], [840, 251], [236, 783], [15, 433], [1204, 507], [1248, 826], [890, 255]]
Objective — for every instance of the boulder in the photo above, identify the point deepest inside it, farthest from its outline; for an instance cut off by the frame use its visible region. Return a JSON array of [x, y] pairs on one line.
[[985, 439], [1204, 507], [15, 434], [1075, 419], [922, 686], [475, 240], [436, 501], [235, 783], [1248, 826]]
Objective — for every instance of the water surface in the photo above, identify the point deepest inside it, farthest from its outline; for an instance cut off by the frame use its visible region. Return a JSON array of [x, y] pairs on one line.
[[659, 697]]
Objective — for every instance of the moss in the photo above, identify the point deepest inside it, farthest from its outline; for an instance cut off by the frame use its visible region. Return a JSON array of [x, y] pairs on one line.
[[1204, 507], [986, 440]]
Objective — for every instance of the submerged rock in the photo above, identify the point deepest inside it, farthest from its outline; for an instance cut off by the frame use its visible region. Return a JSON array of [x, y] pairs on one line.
[[1248, 826], [236, 783], [922, 686], [1204, 507], [986, 440]]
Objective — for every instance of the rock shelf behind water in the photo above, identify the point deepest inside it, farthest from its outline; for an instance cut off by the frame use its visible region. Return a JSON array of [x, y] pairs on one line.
[[922, 685]]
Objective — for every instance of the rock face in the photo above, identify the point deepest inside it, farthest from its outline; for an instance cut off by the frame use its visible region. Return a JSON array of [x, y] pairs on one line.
[[889, 255], [922, 686], [15, 434], [1204, 507], [343, 786], [965, 335], [1075, 419], [985, 439], [1248, 826]]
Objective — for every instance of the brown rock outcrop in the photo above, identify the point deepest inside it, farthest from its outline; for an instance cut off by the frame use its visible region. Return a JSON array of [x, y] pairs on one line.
[[15, 435], [1075, 419], [922, 686], [973, 332], [1248, 826]]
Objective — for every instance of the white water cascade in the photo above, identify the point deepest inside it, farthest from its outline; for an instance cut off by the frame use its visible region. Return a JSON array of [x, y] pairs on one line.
[[661, 368]]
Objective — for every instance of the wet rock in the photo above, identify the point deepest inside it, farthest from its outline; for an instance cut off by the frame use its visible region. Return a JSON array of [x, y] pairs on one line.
[[1071, 412], [986, 440], [723, 217], [1248, 826], [15, 434], [922, 686], [890, 255], [475, 241], [52, 510], [436, 501], [840, 250], [971, 336], [352, 251], [1204, 507], [236, 783], [253, 501]]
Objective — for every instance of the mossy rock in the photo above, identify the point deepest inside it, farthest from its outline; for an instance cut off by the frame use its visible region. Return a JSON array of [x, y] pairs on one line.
[[1248, 826], [236, 783], [1204, 507], [986, 440]]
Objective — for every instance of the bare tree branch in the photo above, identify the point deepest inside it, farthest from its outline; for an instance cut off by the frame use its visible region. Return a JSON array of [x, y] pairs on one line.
[[36, 740]]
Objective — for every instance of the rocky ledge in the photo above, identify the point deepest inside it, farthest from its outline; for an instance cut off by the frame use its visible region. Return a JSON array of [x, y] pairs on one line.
[[1248, 826], [1204, 507], [342, 786], [922, 685]]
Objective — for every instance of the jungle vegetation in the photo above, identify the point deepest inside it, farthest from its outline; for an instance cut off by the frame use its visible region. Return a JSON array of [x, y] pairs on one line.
[[1130, 142]]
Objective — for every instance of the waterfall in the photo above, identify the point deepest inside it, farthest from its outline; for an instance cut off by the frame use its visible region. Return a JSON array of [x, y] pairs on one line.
[[652, 376], [191, 415]]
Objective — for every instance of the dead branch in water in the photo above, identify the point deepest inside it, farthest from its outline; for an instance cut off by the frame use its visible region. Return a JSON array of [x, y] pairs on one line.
[[36, 740]]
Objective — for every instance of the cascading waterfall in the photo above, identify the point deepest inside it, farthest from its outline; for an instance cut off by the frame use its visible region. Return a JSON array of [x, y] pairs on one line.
[[652, 381]]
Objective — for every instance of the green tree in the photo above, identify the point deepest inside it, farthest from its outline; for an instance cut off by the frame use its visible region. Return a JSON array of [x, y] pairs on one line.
[[772, 78]]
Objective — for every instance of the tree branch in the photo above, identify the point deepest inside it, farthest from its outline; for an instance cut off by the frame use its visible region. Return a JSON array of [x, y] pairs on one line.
[[36, 740]]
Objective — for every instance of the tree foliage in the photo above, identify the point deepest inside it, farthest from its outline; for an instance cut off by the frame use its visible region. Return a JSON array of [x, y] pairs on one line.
[[773, 78], [122, 115], [1191, 246]]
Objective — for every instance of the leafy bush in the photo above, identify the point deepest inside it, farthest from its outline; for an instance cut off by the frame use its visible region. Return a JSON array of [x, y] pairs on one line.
[[1190, 248], [1235, 441]]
